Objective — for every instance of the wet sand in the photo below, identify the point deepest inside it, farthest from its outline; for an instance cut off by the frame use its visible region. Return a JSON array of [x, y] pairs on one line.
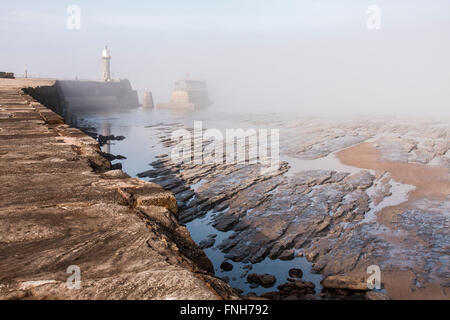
[[400, 286], [431, 183]]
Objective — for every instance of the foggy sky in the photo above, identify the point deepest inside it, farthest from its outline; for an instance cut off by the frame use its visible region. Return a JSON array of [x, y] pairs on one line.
[[305, 56]]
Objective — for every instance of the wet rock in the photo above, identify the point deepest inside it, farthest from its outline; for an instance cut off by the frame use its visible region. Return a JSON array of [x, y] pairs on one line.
[[181, 205], [295, 273], [112, 157], [207, 243], [297, 287], [179, 188], [161, 163], [311, 255], [104, 139], [362, 180], [399, 148], [253, 296], [186, 195], [167, 183], [374, 295], [272, 295], [345, 283], [226, 266], [116, 166], [265, 280], [154, 173], [287, 255], [226, 222], [312, 178], [221, 206]]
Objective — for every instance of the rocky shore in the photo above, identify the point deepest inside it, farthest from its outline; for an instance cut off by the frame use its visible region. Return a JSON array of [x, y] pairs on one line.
[[61, 205], [352, 194]]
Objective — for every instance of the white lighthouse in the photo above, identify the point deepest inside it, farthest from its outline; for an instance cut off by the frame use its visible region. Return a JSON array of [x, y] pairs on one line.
[[106, 72]]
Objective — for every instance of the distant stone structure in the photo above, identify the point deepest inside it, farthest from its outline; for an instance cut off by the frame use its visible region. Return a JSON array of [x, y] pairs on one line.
[[188, 95], [147, 101], [6, 75], [71, 97], [106, 68], [96, 95]]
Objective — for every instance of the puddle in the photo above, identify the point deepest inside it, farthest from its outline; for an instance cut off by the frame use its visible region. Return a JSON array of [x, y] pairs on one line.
[[201, 228], [330, 163], [399, 194]]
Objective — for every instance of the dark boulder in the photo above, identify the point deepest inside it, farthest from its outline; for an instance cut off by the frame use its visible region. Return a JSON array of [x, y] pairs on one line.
[[265, 280], [226, 266], [295, 273]]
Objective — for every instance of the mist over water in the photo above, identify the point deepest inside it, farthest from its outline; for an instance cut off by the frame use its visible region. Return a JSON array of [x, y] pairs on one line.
[[306, 57], [312, 69]]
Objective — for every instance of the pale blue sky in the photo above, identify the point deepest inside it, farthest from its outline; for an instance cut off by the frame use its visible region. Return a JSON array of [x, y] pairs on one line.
[[259, 54]]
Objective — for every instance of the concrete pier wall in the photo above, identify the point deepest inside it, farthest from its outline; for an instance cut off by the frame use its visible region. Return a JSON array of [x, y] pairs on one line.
[[88, 95], [61, 206], [67, 97]]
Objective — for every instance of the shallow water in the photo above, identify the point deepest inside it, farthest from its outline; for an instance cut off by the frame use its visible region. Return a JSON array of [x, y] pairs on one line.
[[201, 228], [399, 194], [330, 162]]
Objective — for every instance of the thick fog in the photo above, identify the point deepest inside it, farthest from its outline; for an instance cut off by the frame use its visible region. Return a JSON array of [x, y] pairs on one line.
[[305, 56]]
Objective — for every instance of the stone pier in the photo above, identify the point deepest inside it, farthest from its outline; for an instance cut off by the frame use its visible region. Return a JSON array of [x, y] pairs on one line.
[[62, 206]]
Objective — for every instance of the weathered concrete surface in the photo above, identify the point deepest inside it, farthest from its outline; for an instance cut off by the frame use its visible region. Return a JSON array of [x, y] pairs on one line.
[[57, 211]]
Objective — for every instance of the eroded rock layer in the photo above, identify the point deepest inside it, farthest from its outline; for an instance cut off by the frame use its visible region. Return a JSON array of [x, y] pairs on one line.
[[350, 194]]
